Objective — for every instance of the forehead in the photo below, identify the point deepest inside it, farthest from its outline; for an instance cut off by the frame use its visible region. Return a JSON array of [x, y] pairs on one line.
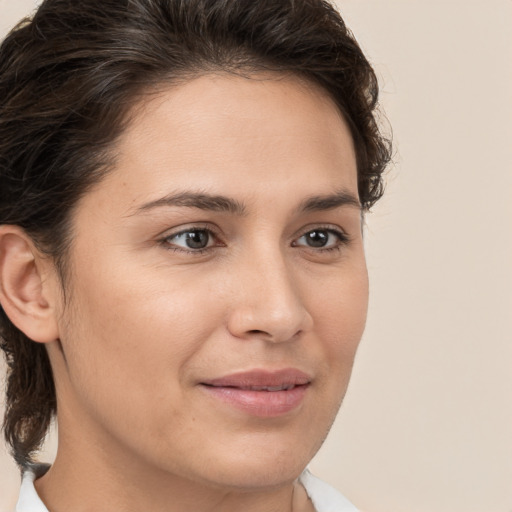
[[235, 133], [240, 96]]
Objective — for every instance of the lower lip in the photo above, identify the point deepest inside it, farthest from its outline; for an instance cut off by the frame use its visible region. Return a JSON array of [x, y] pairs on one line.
[[265, 404]]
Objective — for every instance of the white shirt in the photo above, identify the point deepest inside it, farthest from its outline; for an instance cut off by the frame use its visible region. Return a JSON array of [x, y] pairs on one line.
[[324, 497]]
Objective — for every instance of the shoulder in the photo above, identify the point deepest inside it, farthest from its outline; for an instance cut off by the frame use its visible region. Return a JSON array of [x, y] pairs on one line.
[[324, 497]]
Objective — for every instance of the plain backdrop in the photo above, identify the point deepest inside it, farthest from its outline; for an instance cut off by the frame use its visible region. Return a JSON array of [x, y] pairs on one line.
[[427, 423]]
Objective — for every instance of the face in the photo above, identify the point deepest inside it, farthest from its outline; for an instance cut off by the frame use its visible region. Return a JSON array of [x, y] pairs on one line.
[[218, 286]]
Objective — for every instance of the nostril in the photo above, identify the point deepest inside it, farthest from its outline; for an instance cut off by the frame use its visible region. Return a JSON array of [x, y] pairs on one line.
[[258, 332], [269, 321]]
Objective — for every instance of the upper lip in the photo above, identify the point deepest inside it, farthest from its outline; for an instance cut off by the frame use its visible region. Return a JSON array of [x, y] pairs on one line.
[[259, 379]]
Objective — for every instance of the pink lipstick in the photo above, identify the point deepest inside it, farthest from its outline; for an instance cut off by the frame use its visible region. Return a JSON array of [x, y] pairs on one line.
[[261, 393]]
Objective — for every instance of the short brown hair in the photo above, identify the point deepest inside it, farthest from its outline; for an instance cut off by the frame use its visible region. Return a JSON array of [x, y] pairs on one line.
[[68, 78]]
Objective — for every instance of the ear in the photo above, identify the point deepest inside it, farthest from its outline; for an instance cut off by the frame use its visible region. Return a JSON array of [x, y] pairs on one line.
[[26, 287]]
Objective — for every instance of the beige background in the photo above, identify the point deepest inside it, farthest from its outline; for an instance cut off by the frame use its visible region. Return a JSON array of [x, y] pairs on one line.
[[427, 423]]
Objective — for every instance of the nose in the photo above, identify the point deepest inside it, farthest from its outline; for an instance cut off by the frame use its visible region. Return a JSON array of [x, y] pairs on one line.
[[267, 303]]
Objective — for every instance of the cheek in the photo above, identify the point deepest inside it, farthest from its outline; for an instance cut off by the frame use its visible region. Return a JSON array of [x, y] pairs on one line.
[[131, 336], [128, 348], [340, 319]]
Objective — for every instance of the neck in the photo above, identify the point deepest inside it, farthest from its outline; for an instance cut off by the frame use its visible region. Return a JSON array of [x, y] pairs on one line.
[[95, 471], [87, 482]]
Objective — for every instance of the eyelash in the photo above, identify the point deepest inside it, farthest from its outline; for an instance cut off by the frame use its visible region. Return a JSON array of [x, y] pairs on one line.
[[194, 229], [343, 240]]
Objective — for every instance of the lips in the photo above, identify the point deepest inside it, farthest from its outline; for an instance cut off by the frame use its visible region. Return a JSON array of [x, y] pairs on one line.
[[260, 392], [283, 387]]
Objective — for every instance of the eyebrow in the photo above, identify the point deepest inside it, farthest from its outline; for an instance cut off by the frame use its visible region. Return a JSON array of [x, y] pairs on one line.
[[220, 203], [330, 202], [202, 201]]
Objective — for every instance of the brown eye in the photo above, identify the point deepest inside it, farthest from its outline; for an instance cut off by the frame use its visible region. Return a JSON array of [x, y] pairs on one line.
[[317, 238], [192, 239], [321, 239]]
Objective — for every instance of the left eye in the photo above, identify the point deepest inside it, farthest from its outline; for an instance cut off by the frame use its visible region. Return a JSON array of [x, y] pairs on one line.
[[321, 239], [192, 239]]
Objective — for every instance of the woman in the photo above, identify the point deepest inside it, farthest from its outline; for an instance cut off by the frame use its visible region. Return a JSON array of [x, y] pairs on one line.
[[183, 281]]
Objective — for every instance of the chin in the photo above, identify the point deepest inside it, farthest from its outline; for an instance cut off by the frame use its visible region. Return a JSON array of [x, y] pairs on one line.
[[264, 466], [257, 477]]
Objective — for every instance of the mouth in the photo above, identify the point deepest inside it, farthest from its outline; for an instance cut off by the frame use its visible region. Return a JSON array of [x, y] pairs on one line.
[[283, 387], [261, 393]]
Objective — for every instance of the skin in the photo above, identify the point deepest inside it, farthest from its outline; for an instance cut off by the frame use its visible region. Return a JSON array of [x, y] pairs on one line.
[[147, 319]]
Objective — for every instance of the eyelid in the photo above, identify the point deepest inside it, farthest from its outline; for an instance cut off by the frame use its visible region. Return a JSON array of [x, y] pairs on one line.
[[341, 234], [213, 231], [167, 235]]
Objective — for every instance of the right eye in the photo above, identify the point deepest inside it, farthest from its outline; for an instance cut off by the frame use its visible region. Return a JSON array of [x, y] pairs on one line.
[[190, 240]]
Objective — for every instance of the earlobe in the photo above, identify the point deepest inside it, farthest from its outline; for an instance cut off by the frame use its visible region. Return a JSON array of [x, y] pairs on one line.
[[25, 292]]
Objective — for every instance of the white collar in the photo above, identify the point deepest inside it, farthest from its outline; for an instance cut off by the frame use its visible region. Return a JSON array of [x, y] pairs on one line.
[[324, 497], [29, 501]]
